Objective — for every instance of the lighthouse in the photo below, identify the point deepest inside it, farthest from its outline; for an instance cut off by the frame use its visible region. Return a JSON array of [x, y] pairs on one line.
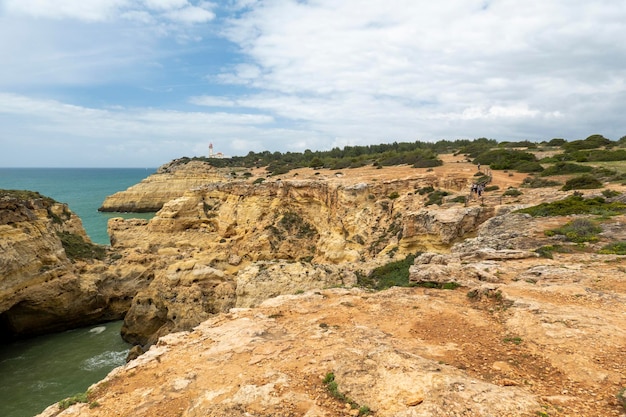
[[210, 150]]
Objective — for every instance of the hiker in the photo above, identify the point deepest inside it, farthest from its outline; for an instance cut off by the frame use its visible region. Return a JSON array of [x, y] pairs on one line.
[[479, 166]]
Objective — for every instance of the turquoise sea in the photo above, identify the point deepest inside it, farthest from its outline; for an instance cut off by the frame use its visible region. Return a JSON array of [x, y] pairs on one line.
[[38, 372], [83, 189]]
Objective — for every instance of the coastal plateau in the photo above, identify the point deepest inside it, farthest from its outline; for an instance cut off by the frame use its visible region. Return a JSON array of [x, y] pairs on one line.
[[249, 298]]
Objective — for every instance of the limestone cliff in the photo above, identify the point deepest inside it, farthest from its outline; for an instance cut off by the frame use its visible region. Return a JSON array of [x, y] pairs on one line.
[[246, 274], [237, 243], [170, 181], [45, 285]]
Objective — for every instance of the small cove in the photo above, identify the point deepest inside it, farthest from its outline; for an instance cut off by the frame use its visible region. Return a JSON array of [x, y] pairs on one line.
[[43, 370]]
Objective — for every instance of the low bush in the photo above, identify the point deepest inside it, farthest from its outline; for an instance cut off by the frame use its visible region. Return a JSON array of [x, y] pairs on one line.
[[578, 231], [563, 168], [425, 190], [576, 204], [583, 182], [505, 158], [528, 167], [458, 199], [615, 248], [392, 274], [333, 390], [436, 197], [76, 247], [610, 193], [621, 398], [75, 399], [532, 182], [512, 192]]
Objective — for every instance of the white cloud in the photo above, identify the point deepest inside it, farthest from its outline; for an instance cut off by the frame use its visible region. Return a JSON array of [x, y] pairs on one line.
[[400, 65], [190, 15], [92, 10], [212, 101], [143, 11], [166, 4], [297, 74]]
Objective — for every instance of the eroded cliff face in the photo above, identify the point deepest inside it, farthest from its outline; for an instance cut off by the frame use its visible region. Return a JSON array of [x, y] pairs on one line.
[[237, 243], [170, 181], [41, 288]]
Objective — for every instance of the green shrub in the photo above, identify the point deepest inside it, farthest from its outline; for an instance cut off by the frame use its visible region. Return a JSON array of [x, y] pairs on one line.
[[436, 197], [505, 158], [78, 398], [557, 142], [576, 204], [599, 155], [528, 167], [76, 247], [512, 192], [492, 188], [392, 274], [579, 230], [583, 182], [258, 180], [615, 248], [532, 182], [333, 390], [610, 193], [458, 199], [592, 142], [563, 168], [621, 398], [393, 195], [425, 190]]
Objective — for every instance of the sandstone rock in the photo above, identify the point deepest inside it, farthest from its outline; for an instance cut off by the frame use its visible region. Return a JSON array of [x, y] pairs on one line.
[[41, 289], [169, 182]]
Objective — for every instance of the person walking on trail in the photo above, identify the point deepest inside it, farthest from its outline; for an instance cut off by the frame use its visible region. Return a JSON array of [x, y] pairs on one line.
[[479, 166]]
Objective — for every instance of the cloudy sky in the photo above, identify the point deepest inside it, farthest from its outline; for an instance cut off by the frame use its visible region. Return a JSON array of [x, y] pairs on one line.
[[137, 83]]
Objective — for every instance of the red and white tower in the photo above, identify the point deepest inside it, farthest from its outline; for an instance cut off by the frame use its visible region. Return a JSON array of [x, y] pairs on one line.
[[210, 150]]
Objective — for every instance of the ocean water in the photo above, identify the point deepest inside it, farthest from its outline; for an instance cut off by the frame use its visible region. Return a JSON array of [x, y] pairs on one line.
[[83, 189], [41, 371], [35, 373]]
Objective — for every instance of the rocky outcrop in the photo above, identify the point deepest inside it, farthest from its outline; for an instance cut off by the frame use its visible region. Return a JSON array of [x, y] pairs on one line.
[[274, 238], [170, 181], [42, 289], [521, 350]]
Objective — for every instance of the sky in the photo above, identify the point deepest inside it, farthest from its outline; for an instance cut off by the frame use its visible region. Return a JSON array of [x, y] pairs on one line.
[[137, 83]]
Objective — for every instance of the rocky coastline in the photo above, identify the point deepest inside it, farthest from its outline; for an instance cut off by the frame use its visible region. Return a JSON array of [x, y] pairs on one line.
[[244, 296]]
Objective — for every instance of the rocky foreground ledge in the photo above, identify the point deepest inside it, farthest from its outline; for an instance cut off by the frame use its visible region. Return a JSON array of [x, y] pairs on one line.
[[517, 348], [518, 335]]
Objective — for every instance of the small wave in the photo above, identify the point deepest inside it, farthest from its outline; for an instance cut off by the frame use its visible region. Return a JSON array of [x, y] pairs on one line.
[[98, 330], [105, 360], [44, 385]]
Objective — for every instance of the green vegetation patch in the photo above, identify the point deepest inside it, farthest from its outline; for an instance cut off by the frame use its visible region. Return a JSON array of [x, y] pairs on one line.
[[615, 248], [512, 192], [548, 250], [532, 182], [506, 159], [25, 195], [579, 231], [76, 247], [436, 197], [576, 204], [333, 390], [621, 398], [564, 168], [583, 182], [393, 274], [592, 142]]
